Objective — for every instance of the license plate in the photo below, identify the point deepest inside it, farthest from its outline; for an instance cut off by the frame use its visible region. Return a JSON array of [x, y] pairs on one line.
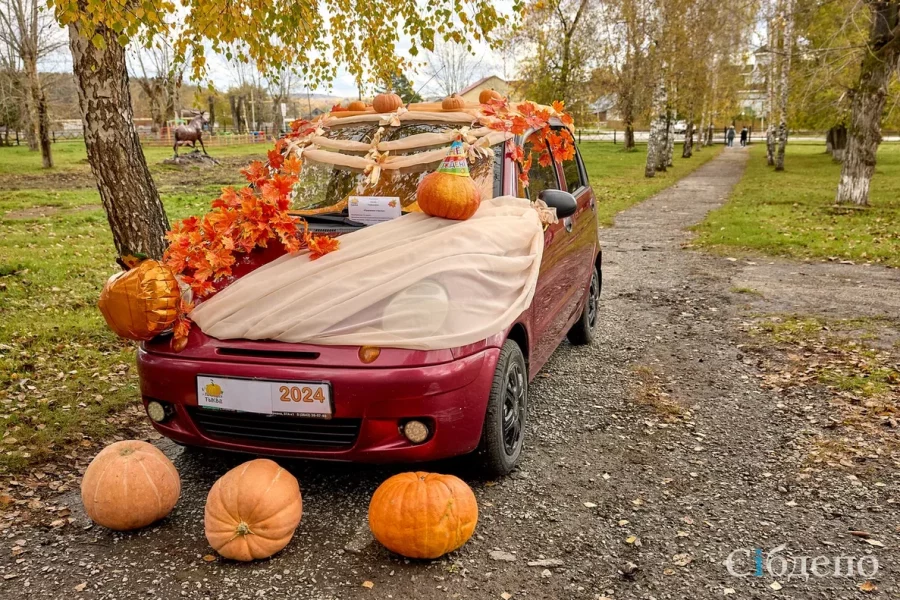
[[264, 396]]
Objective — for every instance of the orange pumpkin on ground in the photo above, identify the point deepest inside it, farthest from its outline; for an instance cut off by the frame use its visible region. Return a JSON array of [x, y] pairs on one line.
[[423, 515], [487, 95], [453, 102], [357, 105], [129, 485], [449, 192], [142, 302], [387, 102], [253, 510]]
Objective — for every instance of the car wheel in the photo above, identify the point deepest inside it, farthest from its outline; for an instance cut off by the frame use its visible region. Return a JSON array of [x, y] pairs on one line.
[[582, 332], [503, 434]]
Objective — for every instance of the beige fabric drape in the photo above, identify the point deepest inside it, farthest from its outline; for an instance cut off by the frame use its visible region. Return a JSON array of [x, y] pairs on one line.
[[416, 282]]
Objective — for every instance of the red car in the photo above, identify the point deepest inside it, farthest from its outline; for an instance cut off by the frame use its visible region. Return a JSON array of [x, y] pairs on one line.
[[386, 404]]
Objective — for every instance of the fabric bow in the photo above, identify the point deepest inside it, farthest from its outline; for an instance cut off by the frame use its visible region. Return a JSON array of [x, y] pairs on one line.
[[546, 214], [393, 119], [373, 169]]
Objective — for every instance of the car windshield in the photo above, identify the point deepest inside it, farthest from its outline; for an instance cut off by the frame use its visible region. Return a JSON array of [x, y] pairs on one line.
[[326, 188]]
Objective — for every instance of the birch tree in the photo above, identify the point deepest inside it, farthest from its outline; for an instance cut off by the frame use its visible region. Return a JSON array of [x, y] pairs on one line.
[[771, 79], [29, 32], [880, 61], [786, 17]]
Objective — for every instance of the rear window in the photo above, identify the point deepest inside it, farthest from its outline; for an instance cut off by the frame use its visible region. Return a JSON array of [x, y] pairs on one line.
[[325, 188]]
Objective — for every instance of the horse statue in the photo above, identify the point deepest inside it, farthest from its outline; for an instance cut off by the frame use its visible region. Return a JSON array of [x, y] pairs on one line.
[[191, 133]]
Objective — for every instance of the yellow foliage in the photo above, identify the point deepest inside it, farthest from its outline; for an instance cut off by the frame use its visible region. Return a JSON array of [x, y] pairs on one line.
[[311, 36]]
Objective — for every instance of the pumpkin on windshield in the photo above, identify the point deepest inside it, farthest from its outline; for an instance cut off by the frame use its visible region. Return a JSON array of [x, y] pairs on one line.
[[450, 191]]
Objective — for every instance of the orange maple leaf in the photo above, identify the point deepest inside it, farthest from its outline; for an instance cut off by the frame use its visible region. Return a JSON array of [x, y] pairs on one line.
[[320, 245]]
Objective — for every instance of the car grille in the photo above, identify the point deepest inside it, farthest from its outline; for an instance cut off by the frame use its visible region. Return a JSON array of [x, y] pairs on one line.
[[330, 434]]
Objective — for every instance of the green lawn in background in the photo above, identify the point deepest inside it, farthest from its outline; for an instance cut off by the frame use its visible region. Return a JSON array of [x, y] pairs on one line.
[[618, 177], [70, 156], [792, 213]]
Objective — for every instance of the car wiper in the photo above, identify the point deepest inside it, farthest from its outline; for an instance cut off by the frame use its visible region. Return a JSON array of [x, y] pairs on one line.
[[335, 217]]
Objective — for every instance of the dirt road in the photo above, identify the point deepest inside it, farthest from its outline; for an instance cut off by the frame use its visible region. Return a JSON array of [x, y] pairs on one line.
[[652, 457]]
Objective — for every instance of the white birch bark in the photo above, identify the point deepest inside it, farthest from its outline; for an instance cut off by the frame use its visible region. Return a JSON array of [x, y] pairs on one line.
[[867, 108], [787, 15]]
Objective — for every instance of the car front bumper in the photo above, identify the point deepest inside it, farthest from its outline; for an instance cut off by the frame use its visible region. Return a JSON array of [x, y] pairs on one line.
[[370, 406]]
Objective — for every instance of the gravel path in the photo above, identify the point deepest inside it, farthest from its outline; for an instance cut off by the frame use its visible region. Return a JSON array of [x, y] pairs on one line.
[[652, 456]]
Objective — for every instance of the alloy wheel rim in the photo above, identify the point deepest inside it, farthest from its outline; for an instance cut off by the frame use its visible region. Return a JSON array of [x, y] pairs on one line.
[[593, 298], [513, 409]]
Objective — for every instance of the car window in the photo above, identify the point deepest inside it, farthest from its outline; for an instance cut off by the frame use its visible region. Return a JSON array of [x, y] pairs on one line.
[[542, 174], [572, 169], [326, 188]]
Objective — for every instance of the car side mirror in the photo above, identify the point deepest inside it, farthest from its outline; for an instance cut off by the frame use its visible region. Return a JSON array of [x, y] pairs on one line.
[[563, 202]]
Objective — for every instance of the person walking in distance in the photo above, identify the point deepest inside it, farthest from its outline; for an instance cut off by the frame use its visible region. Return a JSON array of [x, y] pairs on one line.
[[730, 136], [744, 134]]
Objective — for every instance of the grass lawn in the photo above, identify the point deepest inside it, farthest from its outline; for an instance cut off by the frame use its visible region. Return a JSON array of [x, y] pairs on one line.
[[65, 379], [793, 213], [618, 177]]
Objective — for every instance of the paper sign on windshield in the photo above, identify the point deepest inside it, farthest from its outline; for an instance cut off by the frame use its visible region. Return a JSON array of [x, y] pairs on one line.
[[374, 209]]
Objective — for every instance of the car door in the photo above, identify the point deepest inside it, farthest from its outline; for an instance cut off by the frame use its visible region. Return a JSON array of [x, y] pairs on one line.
[[584, 228], [551, 297]]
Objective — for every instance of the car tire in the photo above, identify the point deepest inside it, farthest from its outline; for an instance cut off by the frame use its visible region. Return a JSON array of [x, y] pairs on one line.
[[503, 433], [582, 332]]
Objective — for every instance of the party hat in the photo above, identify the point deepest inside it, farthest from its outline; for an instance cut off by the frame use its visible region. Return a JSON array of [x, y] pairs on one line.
[[455, 161]]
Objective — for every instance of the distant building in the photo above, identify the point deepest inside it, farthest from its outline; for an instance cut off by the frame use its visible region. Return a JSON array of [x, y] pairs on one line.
[[604, 108]]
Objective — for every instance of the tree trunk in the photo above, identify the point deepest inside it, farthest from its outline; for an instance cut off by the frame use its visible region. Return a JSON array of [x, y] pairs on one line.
[[829, 143], [867, 107], [670, 137], [212, 114], [31, 117], [771, 82], [629, 136], [37, 103], [234, 114], [133, 209], [687, 150], [783, 87], [656, 140], [699, 144], [839, 143]]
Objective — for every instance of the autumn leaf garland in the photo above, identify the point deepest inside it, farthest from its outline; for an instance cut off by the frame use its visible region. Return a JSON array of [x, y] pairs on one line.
[[500, 115], [202, 250]]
